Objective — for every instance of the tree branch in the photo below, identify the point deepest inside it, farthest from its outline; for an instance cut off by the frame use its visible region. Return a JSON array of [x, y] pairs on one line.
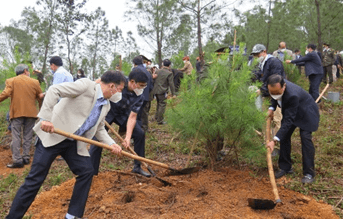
[[187, 7], [207, 4]]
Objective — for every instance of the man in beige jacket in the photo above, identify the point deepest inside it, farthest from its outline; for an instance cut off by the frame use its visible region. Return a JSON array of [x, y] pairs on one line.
[[77, 107], [24, 92]]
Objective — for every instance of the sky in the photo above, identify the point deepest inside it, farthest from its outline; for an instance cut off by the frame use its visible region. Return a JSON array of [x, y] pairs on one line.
[[114, 9]]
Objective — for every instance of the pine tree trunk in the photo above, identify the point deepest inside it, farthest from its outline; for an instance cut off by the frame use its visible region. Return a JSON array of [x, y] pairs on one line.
[[201, 55], [319, 26]]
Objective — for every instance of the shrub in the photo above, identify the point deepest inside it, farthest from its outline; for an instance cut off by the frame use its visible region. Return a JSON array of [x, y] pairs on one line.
[[219, 107]]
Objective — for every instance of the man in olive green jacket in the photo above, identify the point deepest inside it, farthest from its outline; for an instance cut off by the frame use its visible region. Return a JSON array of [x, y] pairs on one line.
[[328, 61], [163, 81]]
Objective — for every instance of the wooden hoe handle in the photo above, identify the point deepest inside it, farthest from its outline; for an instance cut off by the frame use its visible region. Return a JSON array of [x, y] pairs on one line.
[[320, 96], [122, 141], [270, 164], [102, 145]]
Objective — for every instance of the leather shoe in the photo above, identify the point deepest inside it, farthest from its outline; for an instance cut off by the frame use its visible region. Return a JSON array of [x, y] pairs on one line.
[[26, 161], [140, 171], [15, 165], [162, 123], [280, 173]]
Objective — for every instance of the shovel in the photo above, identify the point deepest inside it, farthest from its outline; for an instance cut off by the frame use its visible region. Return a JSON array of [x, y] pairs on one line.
[[266, 204], [173, 172], [165, 183]]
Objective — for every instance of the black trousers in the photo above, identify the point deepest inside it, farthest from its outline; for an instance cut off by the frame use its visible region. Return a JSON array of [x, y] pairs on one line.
[[143, 115], [42, 160], [138, 136], [315, 80], [307, 149]]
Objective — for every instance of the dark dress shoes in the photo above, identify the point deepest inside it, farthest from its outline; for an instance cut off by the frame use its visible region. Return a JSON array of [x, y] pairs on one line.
[[280, 173], [15, 165], [26, 161], [140, 171]]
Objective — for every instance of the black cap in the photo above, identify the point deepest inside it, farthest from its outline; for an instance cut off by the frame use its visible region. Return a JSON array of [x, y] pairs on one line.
[[138, 60], [56, 60], [166, 62]]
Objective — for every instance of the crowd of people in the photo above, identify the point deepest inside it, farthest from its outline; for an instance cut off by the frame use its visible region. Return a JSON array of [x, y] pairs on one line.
[[82, 106]]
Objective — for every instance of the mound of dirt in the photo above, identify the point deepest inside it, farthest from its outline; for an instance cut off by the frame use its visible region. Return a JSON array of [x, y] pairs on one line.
[[205, 194]]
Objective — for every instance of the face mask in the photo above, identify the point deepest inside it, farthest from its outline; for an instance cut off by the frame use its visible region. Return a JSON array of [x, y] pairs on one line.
[[306, 52], [184, 61], [138, 91], [261, 58], [324, 49], [276, 97], [144, 65], [116, 97]]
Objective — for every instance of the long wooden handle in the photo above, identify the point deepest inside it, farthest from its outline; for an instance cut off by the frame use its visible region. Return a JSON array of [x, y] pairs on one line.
[[102, 145], [122, 141], [270, 164], [322, 93], [118, 136]]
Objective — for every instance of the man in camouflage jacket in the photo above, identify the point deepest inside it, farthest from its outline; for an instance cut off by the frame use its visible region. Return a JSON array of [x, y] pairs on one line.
[[328, 61]]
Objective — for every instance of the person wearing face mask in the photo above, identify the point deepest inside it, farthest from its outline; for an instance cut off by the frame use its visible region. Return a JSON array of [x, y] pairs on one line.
[[298, 110], [143, 114], [124, 111], [280, 52], [187, 68], [76, 107], [268, 65], [80, 74], [297, 55], [313, 69], [328, 61]]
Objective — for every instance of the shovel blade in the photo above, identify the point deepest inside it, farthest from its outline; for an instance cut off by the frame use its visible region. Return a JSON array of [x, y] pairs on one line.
[[175, 172], [262, 204]]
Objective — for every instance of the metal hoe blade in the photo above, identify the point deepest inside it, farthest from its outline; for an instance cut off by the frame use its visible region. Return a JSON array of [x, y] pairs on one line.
[[262, 204], [175, 172]]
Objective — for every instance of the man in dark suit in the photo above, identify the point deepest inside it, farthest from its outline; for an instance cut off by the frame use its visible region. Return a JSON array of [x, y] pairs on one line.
[[313, 69], [298, 110]]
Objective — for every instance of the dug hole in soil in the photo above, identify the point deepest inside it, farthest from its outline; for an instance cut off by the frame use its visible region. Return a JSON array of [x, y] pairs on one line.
[[206, 194]]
